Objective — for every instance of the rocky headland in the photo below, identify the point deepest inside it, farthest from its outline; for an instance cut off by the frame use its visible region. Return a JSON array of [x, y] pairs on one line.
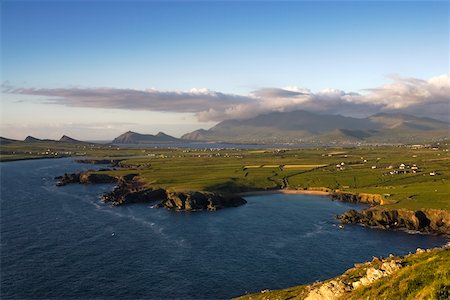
[[130, 190], [434, 221], [85, 178], [200, 201]]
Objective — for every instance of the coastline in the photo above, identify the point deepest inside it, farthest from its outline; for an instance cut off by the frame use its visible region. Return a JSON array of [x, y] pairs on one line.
[[286, 191]]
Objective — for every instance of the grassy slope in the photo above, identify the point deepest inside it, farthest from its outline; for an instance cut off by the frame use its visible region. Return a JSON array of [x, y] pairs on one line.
[[423, 276]]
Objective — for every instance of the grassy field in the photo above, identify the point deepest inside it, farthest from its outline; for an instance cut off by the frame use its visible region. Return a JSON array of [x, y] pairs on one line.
[[357, 169]]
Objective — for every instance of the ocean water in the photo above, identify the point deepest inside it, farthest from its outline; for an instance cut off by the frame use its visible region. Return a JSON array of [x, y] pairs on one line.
[[63, 243]]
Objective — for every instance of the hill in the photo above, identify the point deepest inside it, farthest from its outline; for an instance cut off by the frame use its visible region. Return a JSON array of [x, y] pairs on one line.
[[307, 127], [5, 141], [131, 137], [67, 139]]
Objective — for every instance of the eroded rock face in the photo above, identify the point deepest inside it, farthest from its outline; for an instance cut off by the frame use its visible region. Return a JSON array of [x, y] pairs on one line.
[[358, 198], [373, 274], [429, 221], [200, 201], [329, 290]]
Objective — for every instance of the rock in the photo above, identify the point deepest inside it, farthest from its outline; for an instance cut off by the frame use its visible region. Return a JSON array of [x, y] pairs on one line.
[[373, 274], [358, 198], [429, 221], [67, 178], [121, 196], [188, 201], [330, 290], [84, 177], [130, 190]]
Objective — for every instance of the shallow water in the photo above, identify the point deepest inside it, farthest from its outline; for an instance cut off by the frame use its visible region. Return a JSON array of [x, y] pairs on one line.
[[62, 242]]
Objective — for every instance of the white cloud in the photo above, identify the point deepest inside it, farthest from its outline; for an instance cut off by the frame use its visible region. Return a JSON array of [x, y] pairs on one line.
[[408, 95]]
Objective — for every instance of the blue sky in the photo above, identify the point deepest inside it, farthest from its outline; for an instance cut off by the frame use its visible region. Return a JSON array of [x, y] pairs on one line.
[[232, 48]]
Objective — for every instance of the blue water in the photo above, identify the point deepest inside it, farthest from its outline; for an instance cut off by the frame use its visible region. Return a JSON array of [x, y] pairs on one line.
[[62, 242]]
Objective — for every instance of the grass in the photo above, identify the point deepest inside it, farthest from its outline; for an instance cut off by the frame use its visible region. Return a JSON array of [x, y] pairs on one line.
[[424, 276]]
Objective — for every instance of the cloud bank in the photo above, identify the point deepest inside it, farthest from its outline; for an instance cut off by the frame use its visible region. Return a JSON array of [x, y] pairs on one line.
[[403, 95]]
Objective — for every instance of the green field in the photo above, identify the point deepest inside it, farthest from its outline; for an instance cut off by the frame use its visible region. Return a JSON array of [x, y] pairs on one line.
[[359, 170]]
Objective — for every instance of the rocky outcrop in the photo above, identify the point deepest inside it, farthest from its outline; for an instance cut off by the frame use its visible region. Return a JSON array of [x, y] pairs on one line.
[[373, 199], [433, 221], [85, 178], [112, 162], [121, 196], [339, 287], [189, 201], [130, 190], [374, 273]]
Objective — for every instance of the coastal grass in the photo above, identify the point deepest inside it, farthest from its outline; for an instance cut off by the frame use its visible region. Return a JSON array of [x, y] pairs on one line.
[[424, 276]]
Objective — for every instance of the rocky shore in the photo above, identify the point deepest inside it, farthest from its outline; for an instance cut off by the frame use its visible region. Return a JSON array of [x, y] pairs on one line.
[[200, 201], [373, 199], [85, 178], [130, 190], [434, 221], [381, 278]]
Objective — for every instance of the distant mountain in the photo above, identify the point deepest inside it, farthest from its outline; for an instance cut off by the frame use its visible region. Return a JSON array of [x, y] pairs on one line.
[[131, 137], [5, 141], [64, 139], [307, 127], [68, 139], [32, 139]]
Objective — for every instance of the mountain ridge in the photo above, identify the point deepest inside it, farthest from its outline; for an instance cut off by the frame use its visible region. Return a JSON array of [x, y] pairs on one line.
[[302, 126]]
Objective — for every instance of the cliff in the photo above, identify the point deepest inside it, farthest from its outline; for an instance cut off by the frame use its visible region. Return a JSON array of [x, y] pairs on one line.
[[200, 201], [433, 221], [85, 178], [373, 199]]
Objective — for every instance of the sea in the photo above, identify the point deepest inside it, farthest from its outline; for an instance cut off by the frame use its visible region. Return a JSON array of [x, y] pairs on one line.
[[64, 243]]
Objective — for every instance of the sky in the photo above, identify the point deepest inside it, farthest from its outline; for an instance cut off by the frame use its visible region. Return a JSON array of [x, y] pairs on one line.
[[93, 70]]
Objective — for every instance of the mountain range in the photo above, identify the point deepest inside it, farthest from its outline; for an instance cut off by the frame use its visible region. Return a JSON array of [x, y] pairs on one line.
[[295, 127], [307, 127], [30, 139]]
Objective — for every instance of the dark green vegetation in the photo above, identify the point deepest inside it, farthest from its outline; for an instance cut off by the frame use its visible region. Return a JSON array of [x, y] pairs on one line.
[[303, 126], [423, 275]]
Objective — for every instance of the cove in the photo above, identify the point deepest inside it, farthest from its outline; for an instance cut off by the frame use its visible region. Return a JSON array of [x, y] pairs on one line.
[[64, 243]]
